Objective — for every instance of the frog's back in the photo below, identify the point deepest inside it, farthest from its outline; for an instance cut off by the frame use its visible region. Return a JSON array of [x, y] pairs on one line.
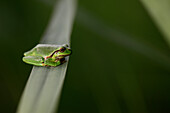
[[42, 50]]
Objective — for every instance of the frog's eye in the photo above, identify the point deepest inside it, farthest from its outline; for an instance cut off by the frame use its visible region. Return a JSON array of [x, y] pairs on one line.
[[62, 49]]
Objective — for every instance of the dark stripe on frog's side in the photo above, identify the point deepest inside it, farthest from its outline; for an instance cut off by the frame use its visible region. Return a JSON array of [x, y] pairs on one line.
[[54, 53], [50, 55]]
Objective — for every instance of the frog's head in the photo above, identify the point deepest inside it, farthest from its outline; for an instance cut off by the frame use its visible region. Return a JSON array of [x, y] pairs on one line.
[[62, 51]]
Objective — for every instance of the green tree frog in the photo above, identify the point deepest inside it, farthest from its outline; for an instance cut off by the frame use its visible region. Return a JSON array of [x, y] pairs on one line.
[[47, 55]]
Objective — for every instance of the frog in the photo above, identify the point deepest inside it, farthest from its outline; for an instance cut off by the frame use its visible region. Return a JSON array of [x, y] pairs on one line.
[[47, 55]]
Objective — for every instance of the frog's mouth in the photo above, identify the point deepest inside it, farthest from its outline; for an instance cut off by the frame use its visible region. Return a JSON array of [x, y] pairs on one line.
[[64, 55]]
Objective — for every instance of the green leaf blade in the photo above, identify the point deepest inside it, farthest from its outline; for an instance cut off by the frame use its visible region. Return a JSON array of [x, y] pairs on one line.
[[159, 11], [43, 89]]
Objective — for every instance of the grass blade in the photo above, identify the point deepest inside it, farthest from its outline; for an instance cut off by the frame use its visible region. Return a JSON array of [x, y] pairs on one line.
[[123, 39], [159, 11], [43, 88]]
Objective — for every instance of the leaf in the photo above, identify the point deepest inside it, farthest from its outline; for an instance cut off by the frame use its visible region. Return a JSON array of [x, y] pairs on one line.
[[43, 89], [159, 11], [122, 39]]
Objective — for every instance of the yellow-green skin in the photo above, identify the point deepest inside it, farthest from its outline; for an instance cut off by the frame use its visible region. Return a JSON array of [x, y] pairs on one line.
[[47, 55]]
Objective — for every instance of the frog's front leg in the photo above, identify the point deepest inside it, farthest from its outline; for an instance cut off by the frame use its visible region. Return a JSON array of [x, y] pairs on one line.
[[62, 60], [35, 60], [51, 62]]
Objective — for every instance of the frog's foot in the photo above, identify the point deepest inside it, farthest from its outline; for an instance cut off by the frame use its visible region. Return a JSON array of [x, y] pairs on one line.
[[57, 59], [62, 60], [43, 64]]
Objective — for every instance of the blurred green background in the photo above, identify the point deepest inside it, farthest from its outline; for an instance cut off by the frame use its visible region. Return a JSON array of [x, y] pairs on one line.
[[120, 61]]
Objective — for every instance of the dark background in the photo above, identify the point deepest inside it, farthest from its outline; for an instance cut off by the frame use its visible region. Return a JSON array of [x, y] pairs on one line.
[[120, 61]]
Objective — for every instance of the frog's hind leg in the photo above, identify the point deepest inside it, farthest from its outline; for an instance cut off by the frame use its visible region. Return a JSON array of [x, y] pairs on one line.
[[34, 60]]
